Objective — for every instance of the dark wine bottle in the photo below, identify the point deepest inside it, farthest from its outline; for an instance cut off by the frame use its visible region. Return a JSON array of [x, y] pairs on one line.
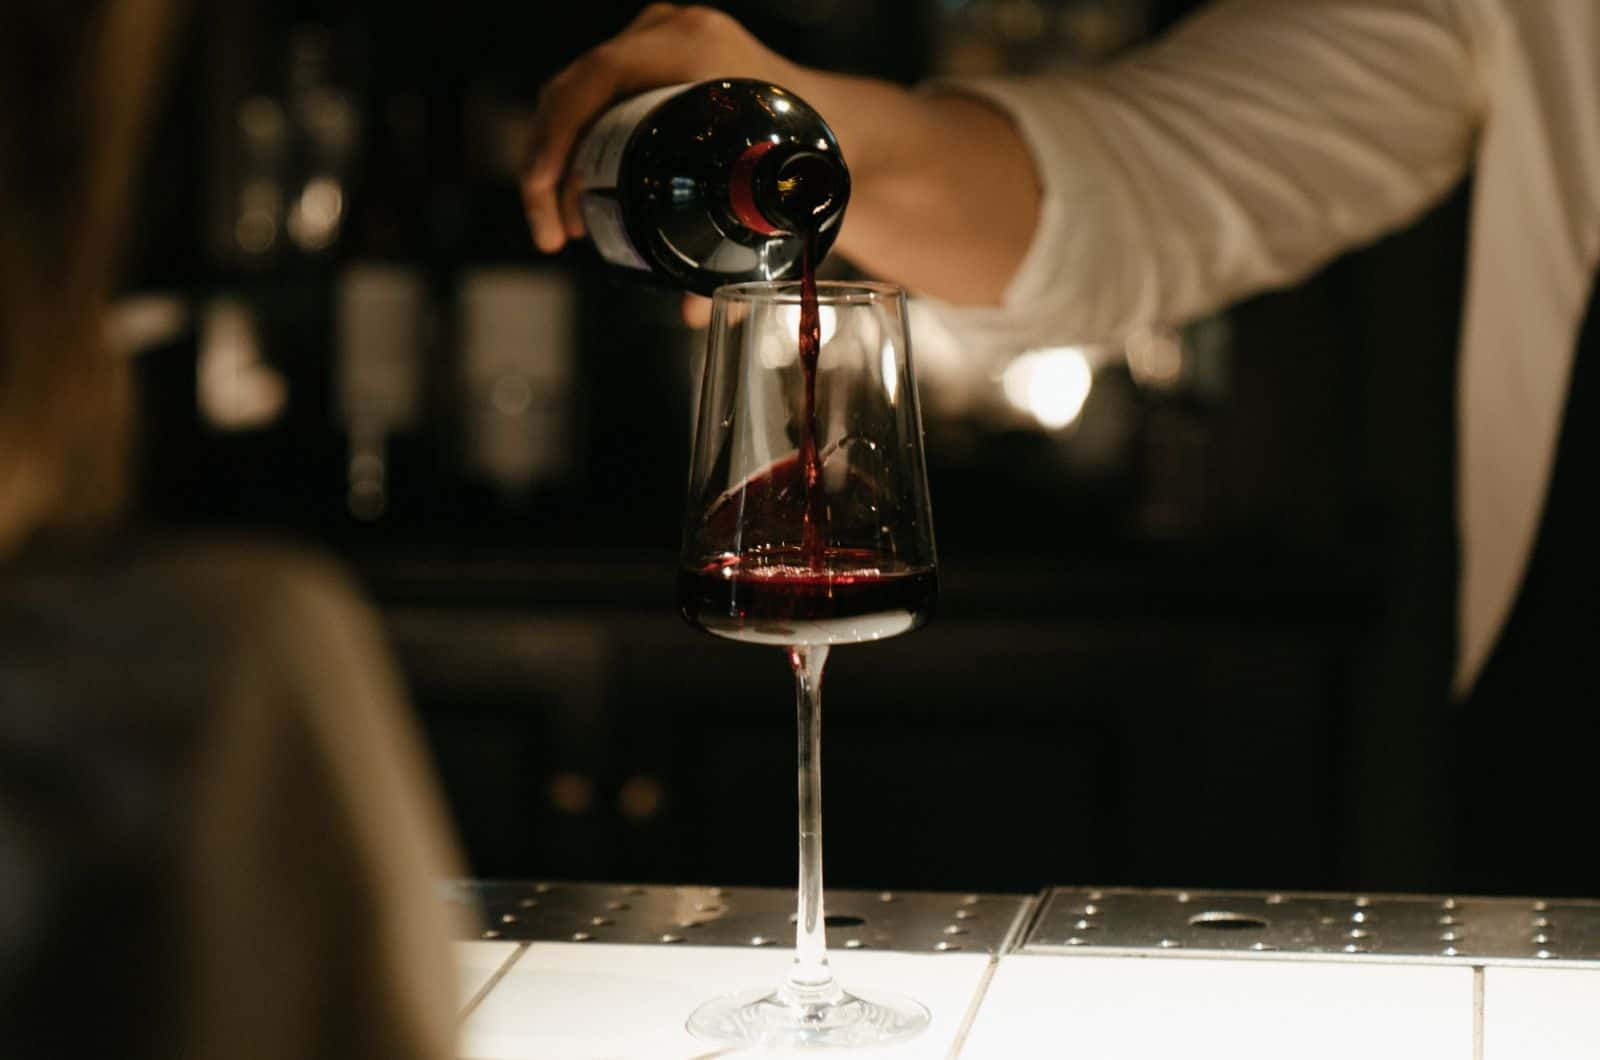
[[714, 183]]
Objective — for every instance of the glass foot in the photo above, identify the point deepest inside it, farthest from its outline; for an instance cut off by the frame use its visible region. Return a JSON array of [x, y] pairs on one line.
[[761, 1018]]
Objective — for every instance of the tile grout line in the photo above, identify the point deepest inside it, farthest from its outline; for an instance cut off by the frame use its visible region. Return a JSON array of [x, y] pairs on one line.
[[960, 1041], [1477, 1012], [494, 981], [1021, 924]]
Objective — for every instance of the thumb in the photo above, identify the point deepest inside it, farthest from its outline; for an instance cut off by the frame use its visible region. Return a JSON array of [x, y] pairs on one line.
[[696, 311]]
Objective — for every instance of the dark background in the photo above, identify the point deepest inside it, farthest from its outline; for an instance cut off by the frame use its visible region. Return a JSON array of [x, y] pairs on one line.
[[1217, 653]]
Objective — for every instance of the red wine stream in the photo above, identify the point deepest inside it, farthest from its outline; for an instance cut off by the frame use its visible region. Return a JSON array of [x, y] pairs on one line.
[[814, 529], [811, 594]]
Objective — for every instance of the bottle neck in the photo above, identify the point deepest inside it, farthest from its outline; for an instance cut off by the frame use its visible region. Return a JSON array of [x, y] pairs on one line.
[[783, 188]]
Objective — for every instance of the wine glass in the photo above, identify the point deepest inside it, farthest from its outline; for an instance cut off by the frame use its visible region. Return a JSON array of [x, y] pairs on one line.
[[765, 563]]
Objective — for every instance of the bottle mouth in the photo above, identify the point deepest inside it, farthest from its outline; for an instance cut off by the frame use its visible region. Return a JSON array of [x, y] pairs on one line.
[[806, 187], [783, 188]]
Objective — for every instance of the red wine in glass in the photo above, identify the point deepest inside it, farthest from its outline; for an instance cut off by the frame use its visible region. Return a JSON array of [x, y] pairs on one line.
[[814, 594], [799, 594], [783, 597]]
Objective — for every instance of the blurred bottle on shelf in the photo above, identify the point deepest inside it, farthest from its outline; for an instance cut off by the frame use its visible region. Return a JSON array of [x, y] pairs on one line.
[[327, 133], [384, 308], [516, 330], [236, 389], [382, 314], [257, 218], [280, 192], [285, 177]]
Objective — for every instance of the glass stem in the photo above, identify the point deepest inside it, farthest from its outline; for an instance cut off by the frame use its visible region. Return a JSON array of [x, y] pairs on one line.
[[810, 984]]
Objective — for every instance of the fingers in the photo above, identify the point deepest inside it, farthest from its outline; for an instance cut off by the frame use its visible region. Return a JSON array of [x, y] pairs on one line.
[[665, 44], [565, 107], [538, 199], [696, 311], [571, 213]]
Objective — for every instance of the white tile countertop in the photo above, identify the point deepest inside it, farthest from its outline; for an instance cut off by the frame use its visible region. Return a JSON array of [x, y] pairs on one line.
[[476, 965], [1541, 1014], [1143, 1008], [575, 1001], [1312, 977]]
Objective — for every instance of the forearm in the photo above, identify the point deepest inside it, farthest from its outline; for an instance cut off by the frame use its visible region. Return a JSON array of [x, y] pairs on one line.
[[1240, 152], [944, 194], [1237, 154]]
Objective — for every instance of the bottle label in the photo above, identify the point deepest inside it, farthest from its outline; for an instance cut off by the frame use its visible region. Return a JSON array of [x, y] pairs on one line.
[[598, 160], [596, 167], [602, 216]]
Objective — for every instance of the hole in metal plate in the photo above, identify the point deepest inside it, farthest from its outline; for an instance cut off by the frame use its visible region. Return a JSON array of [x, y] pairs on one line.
[[843, 921], [1222, 920]]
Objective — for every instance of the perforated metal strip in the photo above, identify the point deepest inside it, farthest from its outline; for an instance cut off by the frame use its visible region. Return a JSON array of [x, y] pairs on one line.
[[1412, 928]]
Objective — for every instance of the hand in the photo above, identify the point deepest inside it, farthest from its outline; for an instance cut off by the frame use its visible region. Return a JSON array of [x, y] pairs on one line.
[[696, 311], [665, 45]]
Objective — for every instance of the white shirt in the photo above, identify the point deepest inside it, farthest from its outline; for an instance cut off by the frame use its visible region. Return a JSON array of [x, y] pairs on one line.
[[1263, 137]]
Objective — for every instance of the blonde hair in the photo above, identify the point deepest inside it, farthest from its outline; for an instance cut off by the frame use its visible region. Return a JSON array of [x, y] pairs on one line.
[[76, 82]]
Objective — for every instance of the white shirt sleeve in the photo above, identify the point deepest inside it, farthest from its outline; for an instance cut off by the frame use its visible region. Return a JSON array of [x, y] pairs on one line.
[[1240, 152]]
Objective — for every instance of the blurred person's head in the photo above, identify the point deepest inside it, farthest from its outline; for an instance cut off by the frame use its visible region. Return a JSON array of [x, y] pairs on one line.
[[76, 78]]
